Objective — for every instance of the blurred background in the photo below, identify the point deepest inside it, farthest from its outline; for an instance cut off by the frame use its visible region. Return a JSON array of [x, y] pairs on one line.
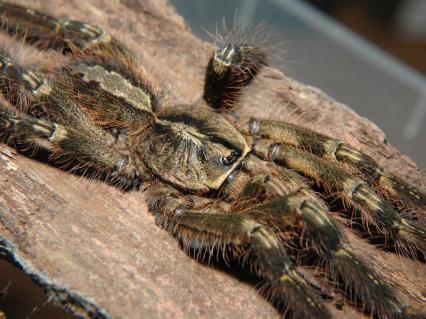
[[368, 54]]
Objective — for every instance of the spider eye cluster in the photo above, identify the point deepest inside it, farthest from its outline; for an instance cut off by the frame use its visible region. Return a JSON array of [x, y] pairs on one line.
[[228, 160]]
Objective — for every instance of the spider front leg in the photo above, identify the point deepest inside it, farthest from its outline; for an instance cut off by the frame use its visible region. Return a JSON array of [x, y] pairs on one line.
[[212, 227], [408, 235]]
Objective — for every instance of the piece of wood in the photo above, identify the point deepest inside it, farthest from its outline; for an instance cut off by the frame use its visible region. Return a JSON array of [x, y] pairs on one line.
[[96, 250]]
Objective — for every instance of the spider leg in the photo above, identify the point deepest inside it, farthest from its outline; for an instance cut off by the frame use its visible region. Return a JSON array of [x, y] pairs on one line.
[[104, 76], [79, 94], [68, 142], [24, 88], [399, 192], [67, 130], [47, 32], [407, 234], [214, 227], [299, 210], [230, 69]]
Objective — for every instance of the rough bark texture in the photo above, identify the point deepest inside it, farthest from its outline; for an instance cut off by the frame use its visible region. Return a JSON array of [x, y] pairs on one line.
[[95, 248]]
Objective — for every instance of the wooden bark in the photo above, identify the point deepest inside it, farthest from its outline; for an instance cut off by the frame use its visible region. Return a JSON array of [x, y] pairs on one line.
[[96, 250]]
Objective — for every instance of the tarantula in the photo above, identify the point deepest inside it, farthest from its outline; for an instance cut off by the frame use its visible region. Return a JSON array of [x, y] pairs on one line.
[[247, 186]]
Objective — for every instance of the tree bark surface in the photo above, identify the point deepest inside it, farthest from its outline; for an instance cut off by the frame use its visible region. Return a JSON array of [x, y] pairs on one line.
[[96, 249]]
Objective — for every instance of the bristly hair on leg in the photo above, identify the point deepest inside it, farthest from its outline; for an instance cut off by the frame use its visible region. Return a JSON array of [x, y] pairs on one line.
[[239, 54]]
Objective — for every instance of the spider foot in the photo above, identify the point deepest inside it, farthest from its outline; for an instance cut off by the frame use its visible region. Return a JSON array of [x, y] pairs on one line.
[[291, 289], [362, 284]]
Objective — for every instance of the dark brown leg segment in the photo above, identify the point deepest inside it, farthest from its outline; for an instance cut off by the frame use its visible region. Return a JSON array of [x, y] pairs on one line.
[[47, 32], [408, 235], [71, 143], [301, 213], [211, 227], [230, 69], [402, 195]]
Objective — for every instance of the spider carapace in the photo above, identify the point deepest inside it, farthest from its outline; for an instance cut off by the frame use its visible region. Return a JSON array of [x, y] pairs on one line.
[[244, 186]]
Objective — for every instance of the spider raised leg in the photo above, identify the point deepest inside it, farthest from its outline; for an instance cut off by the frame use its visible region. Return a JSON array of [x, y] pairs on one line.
[[212, 182]]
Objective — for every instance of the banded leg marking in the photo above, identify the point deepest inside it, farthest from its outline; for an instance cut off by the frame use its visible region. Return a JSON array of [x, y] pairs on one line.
[[332, 149], [72, 143], [351, 190], [14, 78], [230, 70], [214, 228], [47, 32], [304, 212]]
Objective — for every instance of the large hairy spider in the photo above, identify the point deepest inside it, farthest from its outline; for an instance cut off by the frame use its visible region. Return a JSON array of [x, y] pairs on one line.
[[215, 182]]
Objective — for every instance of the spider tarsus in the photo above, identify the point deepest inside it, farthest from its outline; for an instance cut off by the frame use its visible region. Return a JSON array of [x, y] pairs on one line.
[[294, 297], [362, 284], [407, 235], [404, 196]]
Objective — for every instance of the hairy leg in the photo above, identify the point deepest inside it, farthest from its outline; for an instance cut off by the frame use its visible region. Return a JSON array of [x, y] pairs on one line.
[[213, 227], [94, 149], [56, 122], [408, 235], [47, 32], [79, 96], [297, 211], [399, 192], [230, 69]]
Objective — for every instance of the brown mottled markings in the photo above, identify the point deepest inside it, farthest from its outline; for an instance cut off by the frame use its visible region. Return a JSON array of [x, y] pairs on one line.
[[115, 84]]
